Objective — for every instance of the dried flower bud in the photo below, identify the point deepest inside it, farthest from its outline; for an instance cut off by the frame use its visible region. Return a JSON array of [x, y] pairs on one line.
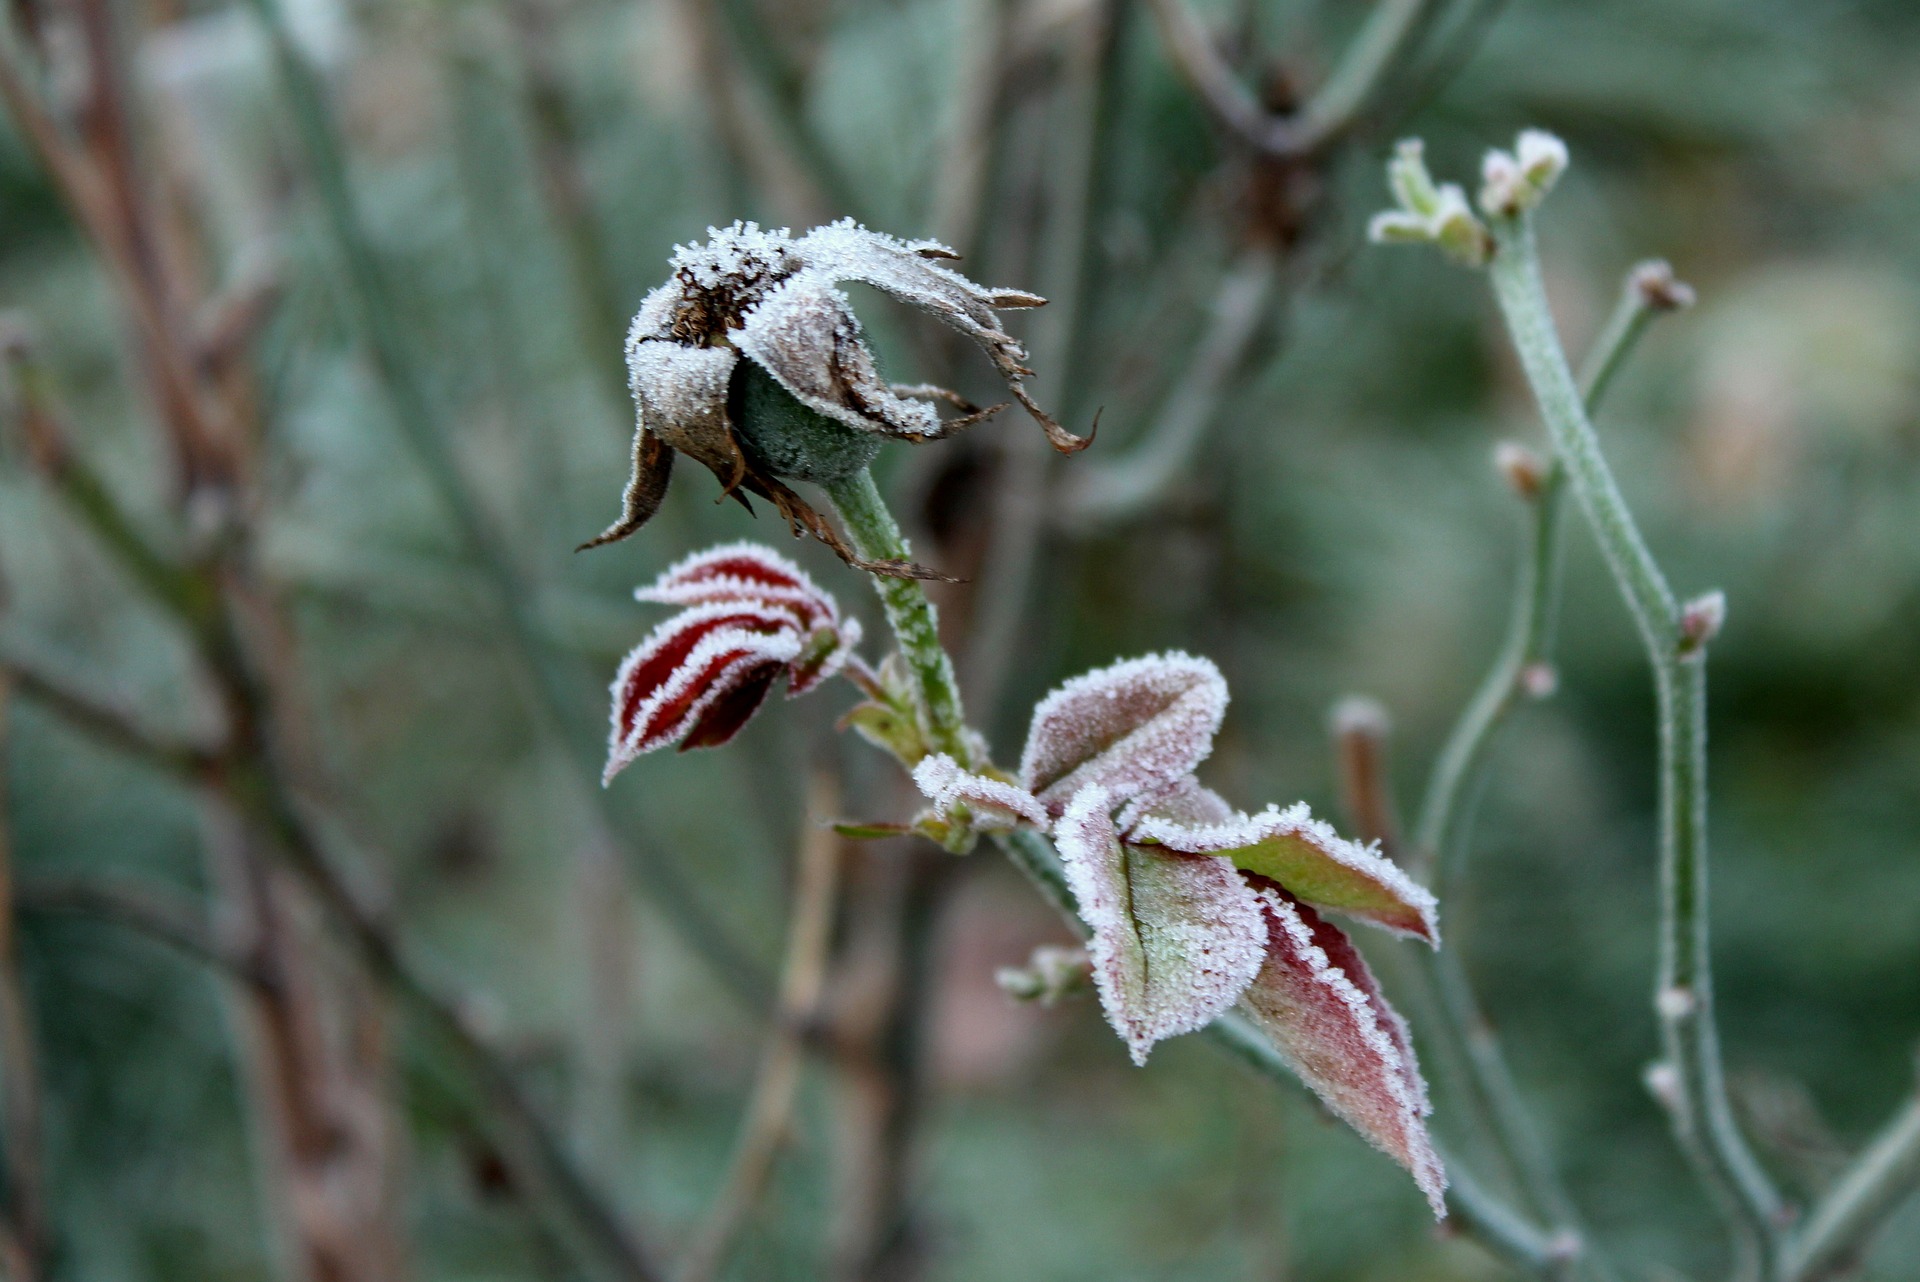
[[750, 618], [1657, 287], [1523, 469], [1701, 620], [808, 402], [1516, 181]]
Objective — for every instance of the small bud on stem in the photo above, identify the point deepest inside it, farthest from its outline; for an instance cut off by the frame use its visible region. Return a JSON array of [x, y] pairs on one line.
[[1658, 288], [1701, 620], [1523, 468]]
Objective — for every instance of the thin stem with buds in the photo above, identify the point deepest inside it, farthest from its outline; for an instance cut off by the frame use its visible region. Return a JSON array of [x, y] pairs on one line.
[[1697, 1104]]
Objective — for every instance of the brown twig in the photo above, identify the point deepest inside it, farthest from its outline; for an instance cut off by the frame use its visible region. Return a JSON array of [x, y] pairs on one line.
[[768, 1117], [25, 1240]]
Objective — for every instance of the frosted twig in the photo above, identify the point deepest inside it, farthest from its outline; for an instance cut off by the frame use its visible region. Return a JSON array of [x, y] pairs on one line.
[[1884, 1175], [1701, 1115]]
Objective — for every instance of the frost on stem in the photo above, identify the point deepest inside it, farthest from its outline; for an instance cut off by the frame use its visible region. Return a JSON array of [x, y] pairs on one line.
[[1187, 901], [749, 617], [808, 402]]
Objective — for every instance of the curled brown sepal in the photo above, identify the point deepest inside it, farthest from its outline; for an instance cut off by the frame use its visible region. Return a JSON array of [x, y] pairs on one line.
[[749, 617], [775, 300], [1318, 1003]]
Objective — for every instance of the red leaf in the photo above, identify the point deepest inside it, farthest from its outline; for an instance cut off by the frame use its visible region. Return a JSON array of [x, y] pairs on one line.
[[1318, 1003]]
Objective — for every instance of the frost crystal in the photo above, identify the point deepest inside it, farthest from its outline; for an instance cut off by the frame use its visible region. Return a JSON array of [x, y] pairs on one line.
[[775, 299], [1319, 1004], [992, 803], [750, 617]]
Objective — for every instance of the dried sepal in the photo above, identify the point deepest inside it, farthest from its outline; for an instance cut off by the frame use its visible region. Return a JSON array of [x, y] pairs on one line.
[[1319, 1005], [1175, 938], [1303, 854], [750, 618], [991, 804], [1138, 725]]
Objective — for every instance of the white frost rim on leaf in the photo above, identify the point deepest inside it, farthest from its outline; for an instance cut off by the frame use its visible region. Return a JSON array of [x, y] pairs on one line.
[[1245, 830], [754, 648], [1404, 1083], [1183, 740]]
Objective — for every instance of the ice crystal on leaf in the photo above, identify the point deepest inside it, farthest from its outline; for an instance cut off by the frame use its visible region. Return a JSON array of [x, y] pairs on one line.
[[1192, 906], [750, 617], [775, 299]]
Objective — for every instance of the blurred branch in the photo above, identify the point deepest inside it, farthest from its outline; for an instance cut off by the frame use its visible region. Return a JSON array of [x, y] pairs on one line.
[[1104, 489], [1676, 639], [250, 773], [960, 184], [769, 1114], [558, 698], [145, 909], [113, 726], [1329, 114], [23, 1249], [1841, 1223], [1017, 524]]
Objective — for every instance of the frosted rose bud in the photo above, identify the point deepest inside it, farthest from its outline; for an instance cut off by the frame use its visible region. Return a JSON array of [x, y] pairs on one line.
[[808, 401], [750, 617]]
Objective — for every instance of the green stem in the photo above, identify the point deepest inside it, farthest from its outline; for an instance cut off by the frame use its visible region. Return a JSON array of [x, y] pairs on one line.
[[911, 616], [1881, 1178], [1700, 1112], [1441, 837]]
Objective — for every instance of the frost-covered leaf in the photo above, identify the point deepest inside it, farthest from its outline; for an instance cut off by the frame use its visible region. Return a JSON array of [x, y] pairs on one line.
[[1303, 854], [1176, 938], [992, 803], [1135, 726], [749, 573], [751, 617], [1319, 1005], [698, 677]]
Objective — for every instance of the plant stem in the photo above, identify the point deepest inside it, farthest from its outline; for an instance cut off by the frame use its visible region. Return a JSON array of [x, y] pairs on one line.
[[1884, 1175], [1700, 1112], [915, 625]]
